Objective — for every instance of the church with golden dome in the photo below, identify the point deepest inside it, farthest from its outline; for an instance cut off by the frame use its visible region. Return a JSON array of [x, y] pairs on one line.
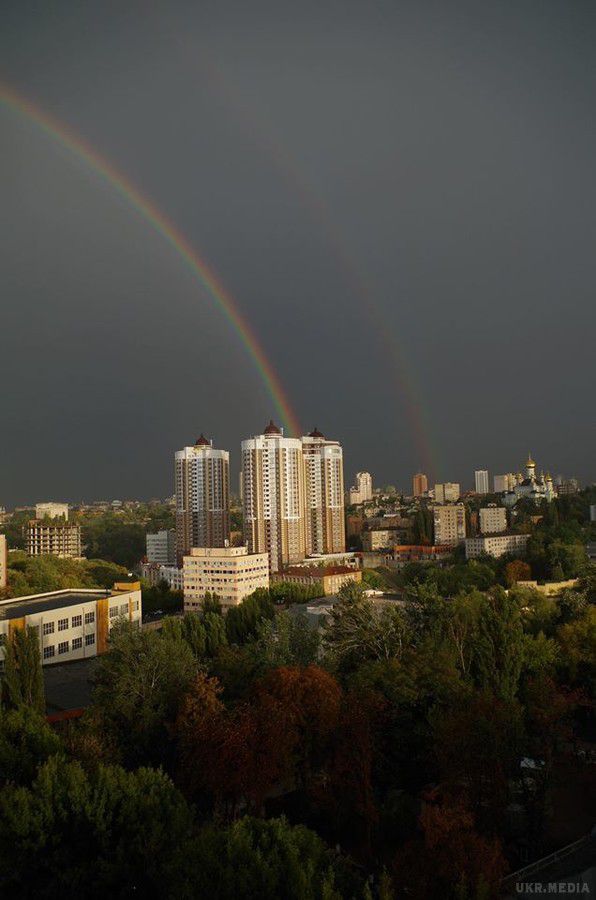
[[533, 487]]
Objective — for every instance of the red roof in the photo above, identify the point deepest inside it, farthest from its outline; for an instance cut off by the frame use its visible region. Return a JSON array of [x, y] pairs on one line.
[[201, 441], [316, 433], [272, 428]]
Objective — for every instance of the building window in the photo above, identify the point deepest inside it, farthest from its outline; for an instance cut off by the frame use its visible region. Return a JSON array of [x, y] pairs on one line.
[[113, 612], [77, 621], [89, 618], [62, 624], [90, 639], [48, 652], [63, 647], [48, 628], [124, 609], [77, 643]]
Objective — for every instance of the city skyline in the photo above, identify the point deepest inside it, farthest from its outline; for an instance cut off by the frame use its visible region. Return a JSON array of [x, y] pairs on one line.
[[209, 210], [514, 465]]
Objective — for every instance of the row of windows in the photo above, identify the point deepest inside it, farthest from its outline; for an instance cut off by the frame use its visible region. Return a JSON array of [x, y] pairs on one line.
[[76, 622], [65, 647], [121, 610]]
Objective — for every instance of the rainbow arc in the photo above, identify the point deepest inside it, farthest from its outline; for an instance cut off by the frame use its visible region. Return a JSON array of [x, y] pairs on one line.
[[209, 281]]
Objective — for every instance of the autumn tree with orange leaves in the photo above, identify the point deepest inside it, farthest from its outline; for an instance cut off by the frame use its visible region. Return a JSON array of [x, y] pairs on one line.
[[451, 859]]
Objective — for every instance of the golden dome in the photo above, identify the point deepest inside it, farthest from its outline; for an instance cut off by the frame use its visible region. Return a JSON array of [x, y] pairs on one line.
[[530, 461]]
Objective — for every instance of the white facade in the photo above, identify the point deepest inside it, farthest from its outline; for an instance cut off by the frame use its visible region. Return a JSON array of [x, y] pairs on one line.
[[493, 519], [273, 497], [154, 573], [449, 524], [481, 481], [362, 490], [161, 547], [532, 487], [202, 497], [71, 624], [324, 495], [449, 492], [496, 545], [232, 573], [51, 510]]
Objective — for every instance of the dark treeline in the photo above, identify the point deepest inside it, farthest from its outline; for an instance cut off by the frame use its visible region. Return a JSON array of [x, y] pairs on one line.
[[224, 756]]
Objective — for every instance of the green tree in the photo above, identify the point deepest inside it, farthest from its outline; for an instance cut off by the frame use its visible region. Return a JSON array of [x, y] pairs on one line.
[[288, 640], [268, 859], [138, 686], [359, 630], [243, 621], [22, 683], [215, 633], [108, 833], [499, 657], [26, 741]]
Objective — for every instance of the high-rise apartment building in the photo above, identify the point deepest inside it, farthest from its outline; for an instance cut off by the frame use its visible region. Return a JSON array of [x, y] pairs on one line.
[[419, 484], [273, 497], [450, 524], [3, 561], [161, 547], [449, 492], [202, 497], [481, 481], [493, 520], [362, 489], [323, 494], [56, 538]]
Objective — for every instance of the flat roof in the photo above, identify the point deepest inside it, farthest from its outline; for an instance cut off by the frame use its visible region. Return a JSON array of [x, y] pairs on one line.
[[69, 685], [27, 606]]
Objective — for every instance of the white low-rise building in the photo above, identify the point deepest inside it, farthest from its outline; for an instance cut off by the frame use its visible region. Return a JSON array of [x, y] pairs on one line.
[[154, 574], [231, 573], [72, 623], [495, 544]]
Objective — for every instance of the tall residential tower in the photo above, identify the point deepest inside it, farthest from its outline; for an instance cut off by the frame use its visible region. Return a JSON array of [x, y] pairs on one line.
[[273, 497], [324, 494], [202, 497]]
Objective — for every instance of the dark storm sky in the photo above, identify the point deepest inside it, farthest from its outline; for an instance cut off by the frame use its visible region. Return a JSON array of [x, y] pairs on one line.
[[401, 196]]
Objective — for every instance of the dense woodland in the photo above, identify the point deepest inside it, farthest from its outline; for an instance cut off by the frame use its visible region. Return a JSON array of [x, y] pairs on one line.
[[418, 748], [226, 756]]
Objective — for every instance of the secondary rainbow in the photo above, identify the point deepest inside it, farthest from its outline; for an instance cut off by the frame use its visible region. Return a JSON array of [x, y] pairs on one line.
[[165, 227], [395, 354]]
